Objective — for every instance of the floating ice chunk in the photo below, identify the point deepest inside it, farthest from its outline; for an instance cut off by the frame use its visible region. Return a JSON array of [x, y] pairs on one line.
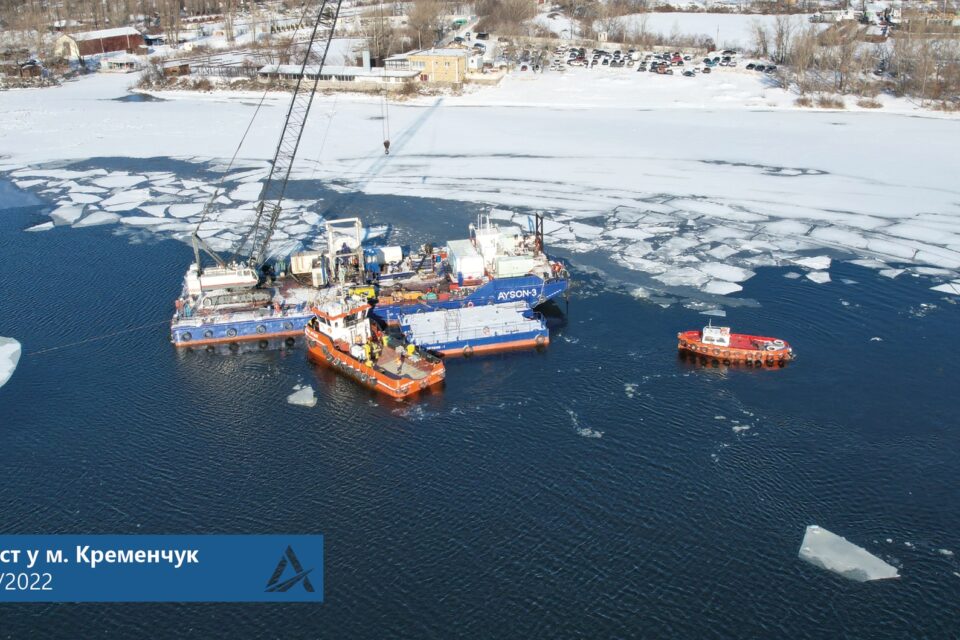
[[501, 214], [9, 357], [726, 272], [249, 191], [158, 210], [720, 313], [302, 396], [820, 277], [683, 276], [722, 252], [83, 198], [721, 287], [585, 230], [829, 551], [26, 184], [142, 221], [133, 197], [117, 180], [741, 427], [792, 275], [67, 214], [876, 339], [585, 432], [949, 287], [933, 271], [869, 264], [43, 226], [628, 233], [891, 273], [945, 552], [786, 228], [97, 218], [185, 210], [817, 263]]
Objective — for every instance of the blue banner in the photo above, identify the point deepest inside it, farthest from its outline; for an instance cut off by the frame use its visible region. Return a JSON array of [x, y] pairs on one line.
[[167, 568]]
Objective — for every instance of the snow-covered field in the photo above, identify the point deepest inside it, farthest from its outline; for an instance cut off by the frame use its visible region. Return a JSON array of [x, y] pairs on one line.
[[728, 30], [687, 182]]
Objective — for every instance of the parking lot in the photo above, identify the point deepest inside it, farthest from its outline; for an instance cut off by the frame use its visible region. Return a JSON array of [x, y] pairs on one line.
[[680, 63]]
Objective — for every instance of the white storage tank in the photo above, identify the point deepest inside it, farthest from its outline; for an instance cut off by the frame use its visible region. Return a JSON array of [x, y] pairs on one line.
[[304, 262], [386, 255], [512, 266]]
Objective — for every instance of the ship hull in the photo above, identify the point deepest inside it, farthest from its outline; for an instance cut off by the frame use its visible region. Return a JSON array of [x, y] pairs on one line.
[[532, 290], [743, 349], [201, 331]]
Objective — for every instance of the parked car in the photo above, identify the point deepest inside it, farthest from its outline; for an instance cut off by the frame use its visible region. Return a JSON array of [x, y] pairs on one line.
[[751, 66], [689, 74], [759, 67], [481, 35], [706, 70], [641, 67], [771, 68]]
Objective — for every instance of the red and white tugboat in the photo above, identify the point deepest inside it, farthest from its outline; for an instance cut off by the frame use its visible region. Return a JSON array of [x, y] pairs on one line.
[[717, 343], [342, 336]]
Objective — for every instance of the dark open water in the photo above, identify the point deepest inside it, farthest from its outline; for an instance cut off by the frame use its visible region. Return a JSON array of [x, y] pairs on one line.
[[591, 491]]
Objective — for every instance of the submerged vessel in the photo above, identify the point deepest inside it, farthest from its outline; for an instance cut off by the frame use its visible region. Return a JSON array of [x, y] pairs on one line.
[[492, 266], [718, 343], [471, 330], [342, 336]]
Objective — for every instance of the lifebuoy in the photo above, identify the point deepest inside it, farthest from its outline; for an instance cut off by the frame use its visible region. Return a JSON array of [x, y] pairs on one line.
[[261, 328], [486, 331], [468, 351], [469, 304], [288, 325], [716, 352], [186, 337], [779, 344], [231, 332]]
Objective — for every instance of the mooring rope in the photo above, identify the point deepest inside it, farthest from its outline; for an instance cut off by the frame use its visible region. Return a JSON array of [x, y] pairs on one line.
[[95, 338]]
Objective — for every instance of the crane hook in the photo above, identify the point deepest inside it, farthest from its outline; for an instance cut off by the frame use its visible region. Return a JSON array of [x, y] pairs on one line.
[[386, 147]]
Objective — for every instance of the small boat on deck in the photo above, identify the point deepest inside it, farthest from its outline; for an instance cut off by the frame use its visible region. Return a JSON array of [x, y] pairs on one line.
[[342, 336], [718, 343]]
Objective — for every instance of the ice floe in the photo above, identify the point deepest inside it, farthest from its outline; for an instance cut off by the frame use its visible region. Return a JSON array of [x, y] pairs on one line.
[[949, 287], [116, 180], [97, 218], [820, 277], [302, 396], [9, 357], [817, 263], [66, 214], [43, 226], [834, 553]]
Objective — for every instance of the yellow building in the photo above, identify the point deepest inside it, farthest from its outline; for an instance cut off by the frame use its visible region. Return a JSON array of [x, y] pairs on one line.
[[440, 65]]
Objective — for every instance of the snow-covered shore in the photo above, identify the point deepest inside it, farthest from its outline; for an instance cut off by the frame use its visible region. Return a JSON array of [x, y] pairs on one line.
[[671, 176]]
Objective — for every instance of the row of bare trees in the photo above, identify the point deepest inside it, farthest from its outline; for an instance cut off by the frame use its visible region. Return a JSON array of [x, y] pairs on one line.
[[917, 61]]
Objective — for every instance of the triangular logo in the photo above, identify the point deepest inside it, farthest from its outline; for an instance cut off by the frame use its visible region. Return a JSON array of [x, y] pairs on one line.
[[289, 557]]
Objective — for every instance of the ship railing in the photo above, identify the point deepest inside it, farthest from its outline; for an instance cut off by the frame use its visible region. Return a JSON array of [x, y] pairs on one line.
[[202, 318]]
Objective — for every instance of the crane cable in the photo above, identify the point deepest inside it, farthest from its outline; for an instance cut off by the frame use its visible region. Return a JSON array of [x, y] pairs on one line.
[[384, 110]]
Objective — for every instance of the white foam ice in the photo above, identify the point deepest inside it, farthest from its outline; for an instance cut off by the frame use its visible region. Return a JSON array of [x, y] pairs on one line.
[[834, 553], [719, 313], [583, 432], [820, 277], [302, 396], [142, 221], [792, 275], [43, 226], [96, 218], [948, 287], [9, 358]]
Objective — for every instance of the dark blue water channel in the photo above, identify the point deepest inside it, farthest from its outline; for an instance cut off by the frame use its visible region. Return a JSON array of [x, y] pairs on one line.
[[598, 489]]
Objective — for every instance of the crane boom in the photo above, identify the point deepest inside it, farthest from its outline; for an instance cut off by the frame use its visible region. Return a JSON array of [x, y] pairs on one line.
[[269, 206]]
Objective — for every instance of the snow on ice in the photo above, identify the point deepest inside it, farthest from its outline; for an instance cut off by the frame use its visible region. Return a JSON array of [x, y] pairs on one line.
[[829, 551], [672, 192], [9, 357]]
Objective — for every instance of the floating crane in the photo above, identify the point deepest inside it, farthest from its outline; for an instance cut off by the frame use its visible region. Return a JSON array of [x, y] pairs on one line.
[[251, 251]]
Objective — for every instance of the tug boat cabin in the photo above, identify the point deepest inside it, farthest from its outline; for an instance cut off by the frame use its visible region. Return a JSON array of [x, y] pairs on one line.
[[342, 336]]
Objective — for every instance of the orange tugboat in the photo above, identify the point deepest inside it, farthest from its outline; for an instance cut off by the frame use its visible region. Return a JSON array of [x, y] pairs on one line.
[[342, 336], [717, 343]]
